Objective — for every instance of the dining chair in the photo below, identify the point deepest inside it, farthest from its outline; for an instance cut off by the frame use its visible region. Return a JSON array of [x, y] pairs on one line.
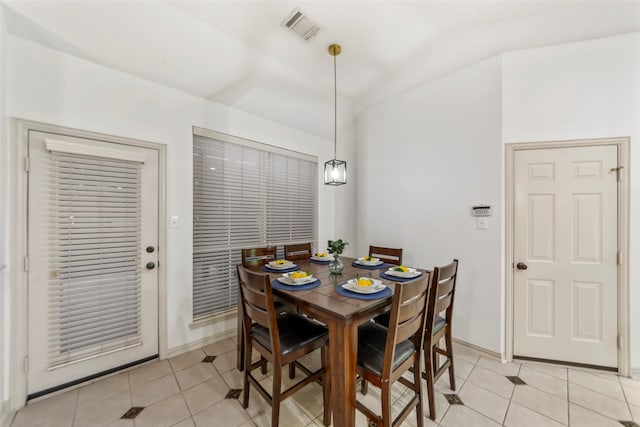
[[252, 258], [297, 252], [281, 339], [388, 255], [443, 286], [385, 354]]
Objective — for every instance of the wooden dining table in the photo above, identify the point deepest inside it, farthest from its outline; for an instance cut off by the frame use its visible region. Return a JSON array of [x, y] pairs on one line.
[[342, 315]]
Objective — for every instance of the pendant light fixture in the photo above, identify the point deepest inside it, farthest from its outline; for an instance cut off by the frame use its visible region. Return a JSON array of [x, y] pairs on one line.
[[335, 171]]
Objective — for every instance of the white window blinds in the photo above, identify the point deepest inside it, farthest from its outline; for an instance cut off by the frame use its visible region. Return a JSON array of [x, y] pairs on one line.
[[94, 276], [244, 195]]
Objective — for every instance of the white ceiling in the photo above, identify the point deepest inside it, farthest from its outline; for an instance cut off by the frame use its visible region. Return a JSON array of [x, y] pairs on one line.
[[237, 52]]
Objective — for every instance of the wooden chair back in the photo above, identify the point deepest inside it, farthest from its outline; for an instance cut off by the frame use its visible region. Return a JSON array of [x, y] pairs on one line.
[[388, 255], [257, 257], [442, 292], [297, 252], [406, 320], [257, 304]]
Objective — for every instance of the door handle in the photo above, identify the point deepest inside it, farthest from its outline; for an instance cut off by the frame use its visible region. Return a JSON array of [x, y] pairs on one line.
[[521, 266], [150, 266]]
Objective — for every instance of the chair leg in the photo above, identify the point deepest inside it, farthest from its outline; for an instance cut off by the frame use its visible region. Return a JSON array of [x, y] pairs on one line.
[[448, 340], [275, 395], [326, 387], [240, 335], [428, 371], [364, 387], [247, 371], [292, 370], [417, 383], [386, 404], [263, 368]]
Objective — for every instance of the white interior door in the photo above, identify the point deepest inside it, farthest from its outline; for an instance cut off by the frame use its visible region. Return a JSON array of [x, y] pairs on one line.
[[92, 298], [565, 224]]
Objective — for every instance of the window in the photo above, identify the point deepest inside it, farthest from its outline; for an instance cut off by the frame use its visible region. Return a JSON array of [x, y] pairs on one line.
[[245, 194]]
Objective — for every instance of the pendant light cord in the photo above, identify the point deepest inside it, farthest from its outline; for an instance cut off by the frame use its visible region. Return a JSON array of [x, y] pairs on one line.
[[335, 109]]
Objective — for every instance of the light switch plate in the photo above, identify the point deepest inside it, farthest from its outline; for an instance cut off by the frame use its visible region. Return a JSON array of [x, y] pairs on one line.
[[173, 222], [481, 223]]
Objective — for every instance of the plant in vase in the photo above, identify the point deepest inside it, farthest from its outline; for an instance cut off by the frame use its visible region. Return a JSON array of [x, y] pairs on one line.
[[335, 247]]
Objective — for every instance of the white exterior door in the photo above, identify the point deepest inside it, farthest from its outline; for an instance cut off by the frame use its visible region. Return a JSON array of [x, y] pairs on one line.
[[565, 224], [92, 230]]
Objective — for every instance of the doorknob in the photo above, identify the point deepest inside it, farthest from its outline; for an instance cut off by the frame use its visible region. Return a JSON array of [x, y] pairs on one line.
[[521, 266], [150, 266]]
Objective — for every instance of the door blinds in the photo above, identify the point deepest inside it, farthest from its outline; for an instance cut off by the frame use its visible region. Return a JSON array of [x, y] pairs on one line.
[[243, 197], [94, 260]]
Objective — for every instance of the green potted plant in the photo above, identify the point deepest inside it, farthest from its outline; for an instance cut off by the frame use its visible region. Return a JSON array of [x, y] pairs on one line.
[[335, 247]]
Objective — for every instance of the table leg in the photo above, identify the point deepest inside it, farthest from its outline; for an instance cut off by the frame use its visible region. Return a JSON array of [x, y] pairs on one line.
[[343, 351]]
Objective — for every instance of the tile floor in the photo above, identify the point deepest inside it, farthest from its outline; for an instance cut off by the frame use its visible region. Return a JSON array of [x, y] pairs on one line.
[[185, 391]]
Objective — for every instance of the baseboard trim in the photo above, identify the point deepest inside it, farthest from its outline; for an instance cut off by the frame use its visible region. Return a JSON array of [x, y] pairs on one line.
[[480, 349], [194, 345], [6, 414]]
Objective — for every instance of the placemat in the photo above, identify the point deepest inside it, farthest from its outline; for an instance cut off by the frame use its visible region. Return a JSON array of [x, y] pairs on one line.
[[371, 267], [384, 275], [315, 261], [286, 270], [276, 284], [350, 294]]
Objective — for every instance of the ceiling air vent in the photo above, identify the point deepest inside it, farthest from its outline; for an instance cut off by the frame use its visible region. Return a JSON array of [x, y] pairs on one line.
[[300, 24]]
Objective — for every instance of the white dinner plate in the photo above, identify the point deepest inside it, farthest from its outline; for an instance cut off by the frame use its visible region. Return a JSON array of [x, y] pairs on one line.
[[321, 258], [409, 274], [376, 286], [284, 266], [363, 261], [287, 281]]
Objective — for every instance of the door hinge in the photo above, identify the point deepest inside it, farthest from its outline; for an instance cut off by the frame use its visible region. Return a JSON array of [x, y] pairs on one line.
[[618, 342], [26, 263], [26, 163], [26, 364], [618, 257], [617, 171]]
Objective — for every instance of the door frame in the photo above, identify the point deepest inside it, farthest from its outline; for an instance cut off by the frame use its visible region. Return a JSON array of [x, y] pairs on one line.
[[622, 143], [18, 222]]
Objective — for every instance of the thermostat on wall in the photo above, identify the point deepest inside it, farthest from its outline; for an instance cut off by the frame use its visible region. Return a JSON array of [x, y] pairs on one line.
[[481, 210]]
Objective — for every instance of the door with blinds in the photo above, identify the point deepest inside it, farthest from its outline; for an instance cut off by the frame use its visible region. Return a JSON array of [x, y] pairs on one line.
[[92, 256]]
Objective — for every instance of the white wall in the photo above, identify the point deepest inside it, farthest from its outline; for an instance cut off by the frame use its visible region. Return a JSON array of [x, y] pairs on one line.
[[425, 157], [581, 90], [48, 86], [4, 288]]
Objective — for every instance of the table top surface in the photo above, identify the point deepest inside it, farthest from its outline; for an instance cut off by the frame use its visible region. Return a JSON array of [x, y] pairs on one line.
[[324, 300]]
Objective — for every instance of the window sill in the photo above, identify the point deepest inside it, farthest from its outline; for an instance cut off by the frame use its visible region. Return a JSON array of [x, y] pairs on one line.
[[230, 313]]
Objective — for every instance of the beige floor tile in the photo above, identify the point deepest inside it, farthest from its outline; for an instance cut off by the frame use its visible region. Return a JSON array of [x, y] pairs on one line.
[[195, 374], [443, 386], [167, 412], [103, 412], [598, 402], [102, 389], [225, 362], [558, 371], [187, 422], [491, 381], [485, 402], [465, 353], [545, 382], [606, 385], [220, 347], [635, 413], [226, 413], [630, 382], [461, 415], [205, 394], [187, 359], [56, 411], [234, 378], [462, 368], [122, 423], [506, 369], [541, 402], [519, 416], [257, 404], [582, 417], [149, 372], [632, 394], [309, 399], [290, 415], [154, 391], [441, 405]]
